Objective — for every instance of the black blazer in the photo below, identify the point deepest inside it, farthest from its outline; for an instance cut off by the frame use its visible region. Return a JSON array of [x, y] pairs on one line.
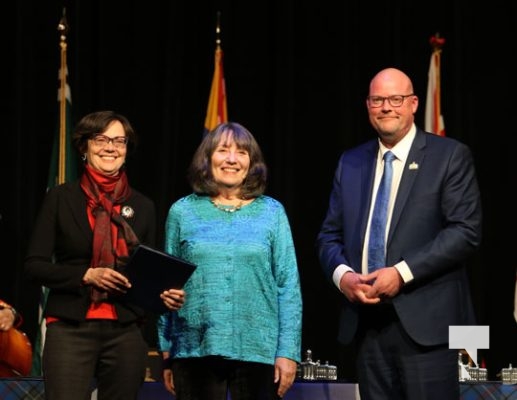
[[60, 247], [435, 227]]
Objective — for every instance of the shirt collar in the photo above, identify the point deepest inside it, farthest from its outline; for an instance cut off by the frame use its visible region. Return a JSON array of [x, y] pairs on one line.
[[401, 149]]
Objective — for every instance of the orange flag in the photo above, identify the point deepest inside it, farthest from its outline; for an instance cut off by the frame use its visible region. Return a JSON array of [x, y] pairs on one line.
[[433, 113], [217, 111]]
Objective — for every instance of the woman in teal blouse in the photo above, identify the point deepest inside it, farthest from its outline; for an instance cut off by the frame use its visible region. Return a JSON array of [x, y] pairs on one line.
[[240, 327]]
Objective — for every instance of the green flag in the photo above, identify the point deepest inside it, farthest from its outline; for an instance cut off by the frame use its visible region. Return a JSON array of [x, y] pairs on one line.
[[63, 168]]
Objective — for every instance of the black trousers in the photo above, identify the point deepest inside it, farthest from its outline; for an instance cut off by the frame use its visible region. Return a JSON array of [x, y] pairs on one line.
[[391, 366], [211, 378], [105, 354]]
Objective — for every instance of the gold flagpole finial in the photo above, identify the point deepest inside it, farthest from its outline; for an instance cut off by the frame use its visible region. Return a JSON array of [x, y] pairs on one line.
[[218, 29], [62, 27]]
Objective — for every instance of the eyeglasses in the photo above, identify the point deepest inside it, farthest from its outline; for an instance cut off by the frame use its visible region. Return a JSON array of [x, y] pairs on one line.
[[395, 100], [119, 142]]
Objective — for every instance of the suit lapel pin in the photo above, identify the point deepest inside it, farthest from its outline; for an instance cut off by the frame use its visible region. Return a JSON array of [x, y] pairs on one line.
[[127, 212], [413, 166]]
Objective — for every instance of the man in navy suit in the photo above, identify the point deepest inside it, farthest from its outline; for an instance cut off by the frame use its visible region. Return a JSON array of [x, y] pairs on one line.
[[400, 314]]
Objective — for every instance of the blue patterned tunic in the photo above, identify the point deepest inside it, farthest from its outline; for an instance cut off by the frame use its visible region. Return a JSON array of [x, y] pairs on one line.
[[243, 302]]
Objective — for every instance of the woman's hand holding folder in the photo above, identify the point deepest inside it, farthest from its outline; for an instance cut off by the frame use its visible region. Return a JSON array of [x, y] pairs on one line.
[[173, 298]]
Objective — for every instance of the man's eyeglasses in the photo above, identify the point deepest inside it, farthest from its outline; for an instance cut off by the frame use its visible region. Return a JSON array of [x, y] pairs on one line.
[[119, 142], [395, 100]]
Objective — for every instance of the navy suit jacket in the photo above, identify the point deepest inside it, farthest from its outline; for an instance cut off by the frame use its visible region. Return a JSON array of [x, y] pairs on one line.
[[60, 248], [435, 227]]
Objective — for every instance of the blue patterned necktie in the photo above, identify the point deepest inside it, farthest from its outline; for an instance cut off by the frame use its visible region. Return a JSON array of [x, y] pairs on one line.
[[376, 244]]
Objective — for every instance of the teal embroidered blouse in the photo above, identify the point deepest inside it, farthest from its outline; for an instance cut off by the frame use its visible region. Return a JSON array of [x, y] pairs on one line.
[[244, 301]]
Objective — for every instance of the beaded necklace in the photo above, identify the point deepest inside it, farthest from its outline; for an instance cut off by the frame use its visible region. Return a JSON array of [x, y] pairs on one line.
[[227, 208]]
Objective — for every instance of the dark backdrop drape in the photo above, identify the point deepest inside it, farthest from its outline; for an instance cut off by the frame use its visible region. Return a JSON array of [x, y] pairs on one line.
[[297, 73]]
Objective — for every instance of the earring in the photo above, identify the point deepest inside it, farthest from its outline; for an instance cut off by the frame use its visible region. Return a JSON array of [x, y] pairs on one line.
[[83, 157]]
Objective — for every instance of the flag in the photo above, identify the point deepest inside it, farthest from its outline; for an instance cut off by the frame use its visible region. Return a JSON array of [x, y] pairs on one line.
[[433, 113], [63, 168], [217, 112], [515, 300]]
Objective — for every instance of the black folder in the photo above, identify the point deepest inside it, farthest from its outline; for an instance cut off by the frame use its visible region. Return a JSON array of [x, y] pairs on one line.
[[150, 272]]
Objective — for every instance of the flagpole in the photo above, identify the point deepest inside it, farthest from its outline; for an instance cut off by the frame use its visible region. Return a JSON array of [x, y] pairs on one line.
[[63, 30]]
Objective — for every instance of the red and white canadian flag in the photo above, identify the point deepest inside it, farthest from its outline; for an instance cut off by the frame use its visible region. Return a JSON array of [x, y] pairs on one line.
[[433, 113]]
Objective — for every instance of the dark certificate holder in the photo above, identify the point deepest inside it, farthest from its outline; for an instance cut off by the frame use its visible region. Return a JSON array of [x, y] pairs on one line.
[[150, 272]]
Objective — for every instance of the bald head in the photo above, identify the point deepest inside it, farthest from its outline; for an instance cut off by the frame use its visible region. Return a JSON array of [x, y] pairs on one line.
[[392, 77]]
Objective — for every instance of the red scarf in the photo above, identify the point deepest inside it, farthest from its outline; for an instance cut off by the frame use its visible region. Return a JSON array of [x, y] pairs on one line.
[[112, 235]]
